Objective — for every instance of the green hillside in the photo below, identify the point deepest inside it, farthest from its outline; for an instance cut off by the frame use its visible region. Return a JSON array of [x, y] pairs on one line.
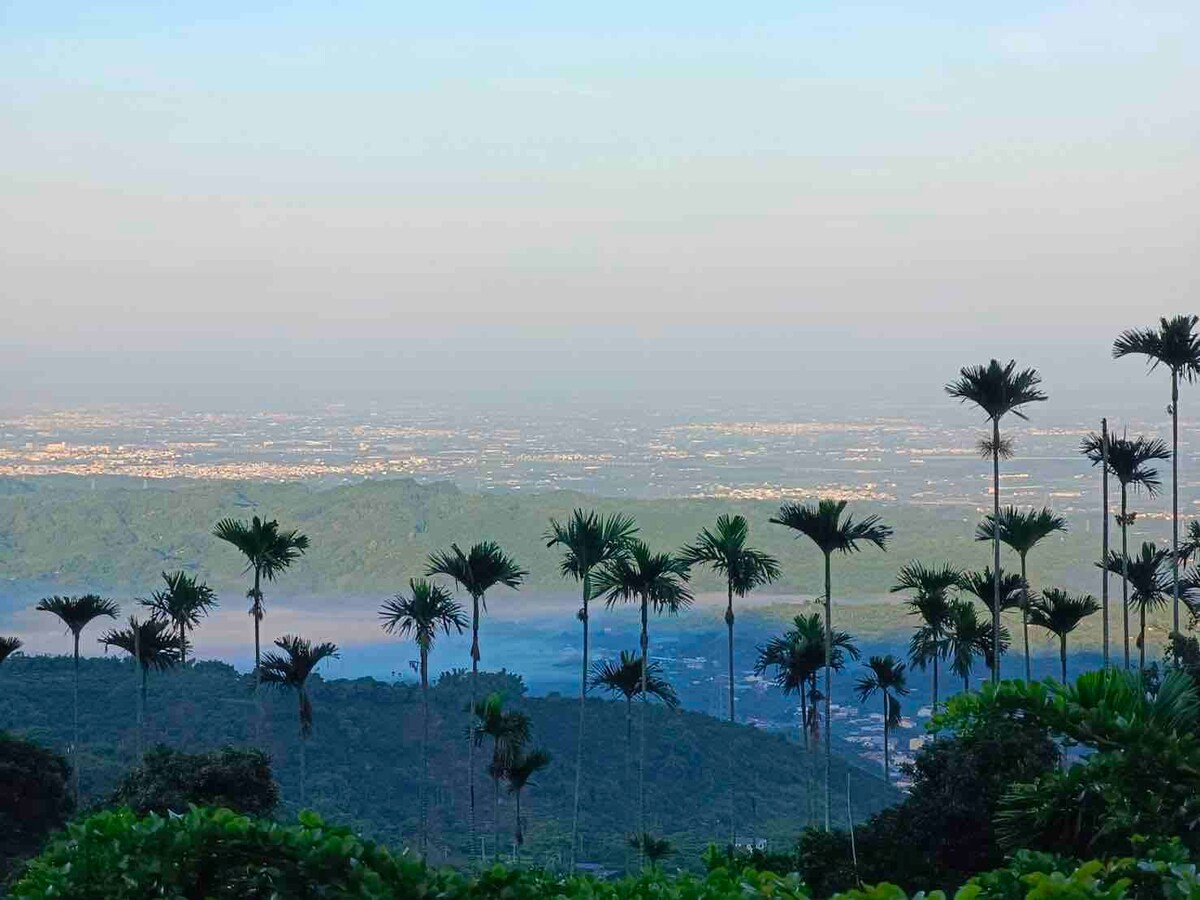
[[364, 758]]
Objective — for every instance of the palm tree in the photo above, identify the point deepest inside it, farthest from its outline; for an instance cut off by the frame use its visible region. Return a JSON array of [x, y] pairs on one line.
[[151, 646], [624, 677], [269, 552], [931, 588], [884, 675], [427, 609], [822, 523], [1021, 531], [997, 390], [1060, 613], [588, 540], [1173, 344], [653, 580], [985, 587], [521, 768], [725, 552], [290, 670], [1151, 586], [476, 572], [8, 646], [967, 636], [652, 848], [509, 731], [77, 613], [184, 602], [1129, 462]]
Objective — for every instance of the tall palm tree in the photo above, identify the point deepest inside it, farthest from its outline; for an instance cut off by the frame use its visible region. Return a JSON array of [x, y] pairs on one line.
[[588, 540], [1175, 345], [1129, 462], [184, 602], [290, 670], [985, 587], [623, 677], [1150, 583], [76, 613], [654, 849], [997, 390], [1060, 613], [9, 646], [655, 581], [724, 551], [822, 523], [885, 676], [1021, 531], [931, 587], [521, 768], [151, 646], [968, 637], [509, 732], [477, 571], [269, 553], [427, 609]]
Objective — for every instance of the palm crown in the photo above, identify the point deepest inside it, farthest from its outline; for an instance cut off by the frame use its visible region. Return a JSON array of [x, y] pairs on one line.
[[996, 389], [76, 613], [982, 586], [150, 643], [589, 540], [659, 579], [968, 636], [931, 601], [479, 570], [268, 550], [183, 601], [292, 668], [1060, 612], [523, 766], [822, 523], [800, 652], [725, 551], [8, 646], [1173, 344], [1148, 573], [509, 730], [885, 675], [428, 609], [623, 676], [1021, 530], [1128, 459]]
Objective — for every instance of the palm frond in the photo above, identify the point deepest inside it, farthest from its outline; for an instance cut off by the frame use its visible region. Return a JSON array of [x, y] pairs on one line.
[[428, 609], [822, 523], [997, 389], [8, 646], [589, 540], [76, 613]]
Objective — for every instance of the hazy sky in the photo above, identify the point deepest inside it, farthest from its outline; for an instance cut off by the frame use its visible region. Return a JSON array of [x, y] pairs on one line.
[[197, 197]]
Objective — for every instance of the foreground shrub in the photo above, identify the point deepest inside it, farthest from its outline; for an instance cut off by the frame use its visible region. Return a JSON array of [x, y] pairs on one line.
[[35, 799], [171, 781]]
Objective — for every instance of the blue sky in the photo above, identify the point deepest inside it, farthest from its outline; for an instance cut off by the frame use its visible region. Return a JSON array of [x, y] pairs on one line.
[[446, 187]]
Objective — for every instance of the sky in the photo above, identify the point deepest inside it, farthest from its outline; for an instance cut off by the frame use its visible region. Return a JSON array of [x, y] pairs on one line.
[[256, 200]]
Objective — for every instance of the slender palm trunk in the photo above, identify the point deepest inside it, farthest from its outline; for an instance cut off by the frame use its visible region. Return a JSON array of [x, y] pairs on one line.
[[1125, 566], [182, 645], [887, 750], [1142, 637], [966, 683], [642, 734], [828, 693], [141, 714], [425, 752], [1174, 501], [996, 548], [303, 769], [1062, 656], [495, 808], [732, 799], [518, 836], [1025, 617], [474, 695], [935, 682], [75, 726], [1104, 549], [257, 616], [628, 752], [583, 680]]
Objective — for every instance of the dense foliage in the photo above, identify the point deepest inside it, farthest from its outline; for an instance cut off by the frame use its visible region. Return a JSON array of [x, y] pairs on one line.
[[35, 798], [169, 780]]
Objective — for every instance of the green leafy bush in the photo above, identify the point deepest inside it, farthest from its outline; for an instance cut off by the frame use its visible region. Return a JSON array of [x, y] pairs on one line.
[[35, 799], [172, 781]]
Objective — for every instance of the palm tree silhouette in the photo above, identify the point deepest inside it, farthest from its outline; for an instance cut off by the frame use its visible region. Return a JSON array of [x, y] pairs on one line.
[[427, 609], [1060, 613], [9, 646], [997, 390], [479, 570], [588, 540], [652, 848], [725, 552], [1173, 344], [1151, 585], [931, 601], [985, 587], [884, 675], [652, 580], [510, 732], [968, 636], [151, 646], [822, 523], [521, 768], [269, 553], [290, 670], [624, 677], [183, 603], [1021, 531], [76, 613], [1129, 462]]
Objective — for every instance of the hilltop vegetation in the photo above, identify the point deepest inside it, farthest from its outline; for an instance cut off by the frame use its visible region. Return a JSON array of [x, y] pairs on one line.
[[364, 759]]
